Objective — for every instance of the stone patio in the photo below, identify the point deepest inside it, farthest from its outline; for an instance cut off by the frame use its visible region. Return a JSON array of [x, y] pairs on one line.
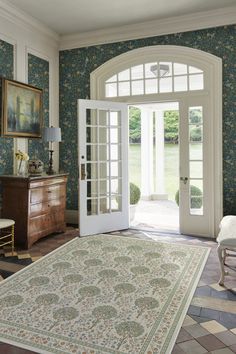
[[161, 215]]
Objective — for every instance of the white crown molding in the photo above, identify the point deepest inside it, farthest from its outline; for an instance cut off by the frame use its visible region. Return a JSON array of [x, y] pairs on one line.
[[16, 16], [37, 53], [8, 39], [185, 23]]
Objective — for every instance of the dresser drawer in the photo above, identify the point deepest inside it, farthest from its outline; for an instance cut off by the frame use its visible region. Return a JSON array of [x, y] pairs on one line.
[[44, 194], [46, 222], [51, 206], [39, 183]]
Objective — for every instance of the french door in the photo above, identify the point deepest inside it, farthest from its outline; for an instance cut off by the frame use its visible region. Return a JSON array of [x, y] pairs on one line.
[[103, 163], [196, 206]]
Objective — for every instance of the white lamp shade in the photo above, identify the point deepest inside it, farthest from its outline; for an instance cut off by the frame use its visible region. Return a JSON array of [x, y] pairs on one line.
[[52, 134]]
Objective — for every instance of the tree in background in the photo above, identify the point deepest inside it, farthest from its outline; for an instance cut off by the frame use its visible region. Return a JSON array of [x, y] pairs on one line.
[[195, 118], [171, 126], [134, 125]]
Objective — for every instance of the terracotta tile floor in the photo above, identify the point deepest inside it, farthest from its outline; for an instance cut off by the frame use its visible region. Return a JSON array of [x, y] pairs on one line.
[[210, 324]]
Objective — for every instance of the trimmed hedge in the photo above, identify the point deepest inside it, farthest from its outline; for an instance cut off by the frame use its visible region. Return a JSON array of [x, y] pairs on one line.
[[135, 194], [196, 203]]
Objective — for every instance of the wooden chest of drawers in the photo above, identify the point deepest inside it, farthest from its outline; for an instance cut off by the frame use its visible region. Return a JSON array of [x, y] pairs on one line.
[[37, 204]]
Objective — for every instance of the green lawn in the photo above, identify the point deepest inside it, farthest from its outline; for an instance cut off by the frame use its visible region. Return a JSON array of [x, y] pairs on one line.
[[171, 166]]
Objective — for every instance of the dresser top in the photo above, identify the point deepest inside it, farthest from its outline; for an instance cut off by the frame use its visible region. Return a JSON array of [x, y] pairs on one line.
[[32, 177]]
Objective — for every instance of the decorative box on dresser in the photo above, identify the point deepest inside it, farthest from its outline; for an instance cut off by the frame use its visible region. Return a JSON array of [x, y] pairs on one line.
[[37, 204]]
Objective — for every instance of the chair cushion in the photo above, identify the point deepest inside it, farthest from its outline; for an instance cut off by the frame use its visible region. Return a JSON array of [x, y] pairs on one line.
[[227, 234], [6, 223]]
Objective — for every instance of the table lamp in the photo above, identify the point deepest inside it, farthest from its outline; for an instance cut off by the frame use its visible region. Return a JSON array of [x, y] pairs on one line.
[[51, 135]]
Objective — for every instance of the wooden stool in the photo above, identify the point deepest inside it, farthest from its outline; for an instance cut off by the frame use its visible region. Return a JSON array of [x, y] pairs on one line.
[[7, 228], [226, 241]]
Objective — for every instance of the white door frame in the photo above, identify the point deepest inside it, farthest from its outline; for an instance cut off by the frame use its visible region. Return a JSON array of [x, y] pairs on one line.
[[111, 209], [212, 67]]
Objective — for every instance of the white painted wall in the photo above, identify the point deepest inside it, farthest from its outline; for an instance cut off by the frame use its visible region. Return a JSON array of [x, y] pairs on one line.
[[28, 37]]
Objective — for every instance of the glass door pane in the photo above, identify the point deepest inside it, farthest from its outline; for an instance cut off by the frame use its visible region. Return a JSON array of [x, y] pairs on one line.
[[195, 127], [103, 148]]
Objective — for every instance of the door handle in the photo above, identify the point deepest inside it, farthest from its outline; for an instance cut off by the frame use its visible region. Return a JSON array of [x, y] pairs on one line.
[[83, 172], [184, 179]]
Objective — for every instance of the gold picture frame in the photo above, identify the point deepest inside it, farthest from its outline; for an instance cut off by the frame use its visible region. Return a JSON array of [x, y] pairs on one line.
[[22, 112]]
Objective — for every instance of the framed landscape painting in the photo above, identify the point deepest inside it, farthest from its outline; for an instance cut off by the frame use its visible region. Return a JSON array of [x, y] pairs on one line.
[[21, 110]]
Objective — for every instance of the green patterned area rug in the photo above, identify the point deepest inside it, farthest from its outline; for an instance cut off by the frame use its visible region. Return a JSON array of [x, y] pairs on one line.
[[101, 294]]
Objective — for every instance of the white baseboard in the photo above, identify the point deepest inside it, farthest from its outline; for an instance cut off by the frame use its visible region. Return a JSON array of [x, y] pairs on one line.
[[72, 216], [159, 197], [155, 197], [146, 197]]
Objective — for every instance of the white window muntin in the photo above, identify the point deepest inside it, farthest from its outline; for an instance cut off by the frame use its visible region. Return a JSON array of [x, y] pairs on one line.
[[151, 78]]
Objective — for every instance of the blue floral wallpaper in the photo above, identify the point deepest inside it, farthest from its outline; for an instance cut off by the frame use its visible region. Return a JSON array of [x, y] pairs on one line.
[[6, 70], [77, 64], [38, 75]]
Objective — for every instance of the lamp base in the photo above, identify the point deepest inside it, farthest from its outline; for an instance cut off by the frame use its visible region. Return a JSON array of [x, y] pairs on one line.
[[50, 169]]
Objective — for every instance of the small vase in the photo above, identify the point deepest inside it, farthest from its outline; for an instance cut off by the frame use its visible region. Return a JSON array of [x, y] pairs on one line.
[[21, 169]]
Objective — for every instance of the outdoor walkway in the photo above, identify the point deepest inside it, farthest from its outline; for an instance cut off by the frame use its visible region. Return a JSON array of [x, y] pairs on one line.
[[162, 215]]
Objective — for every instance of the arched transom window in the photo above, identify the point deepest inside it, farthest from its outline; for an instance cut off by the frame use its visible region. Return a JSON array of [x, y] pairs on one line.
[[154, 77]]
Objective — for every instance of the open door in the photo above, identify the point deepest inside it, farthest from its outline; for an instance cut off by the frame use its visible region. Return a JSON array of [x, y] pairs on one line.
[[196, 168], [103, 165]]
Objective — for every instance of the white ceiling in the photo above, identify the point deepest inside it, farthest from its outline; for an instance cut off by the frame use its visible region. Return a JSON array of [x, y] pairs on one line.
[[79, 16]]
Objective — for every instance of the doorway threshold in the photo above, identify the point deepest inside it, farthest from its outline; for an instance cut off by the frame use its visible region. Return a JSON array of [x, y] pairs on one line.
[[156, 216], [156, 230]]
